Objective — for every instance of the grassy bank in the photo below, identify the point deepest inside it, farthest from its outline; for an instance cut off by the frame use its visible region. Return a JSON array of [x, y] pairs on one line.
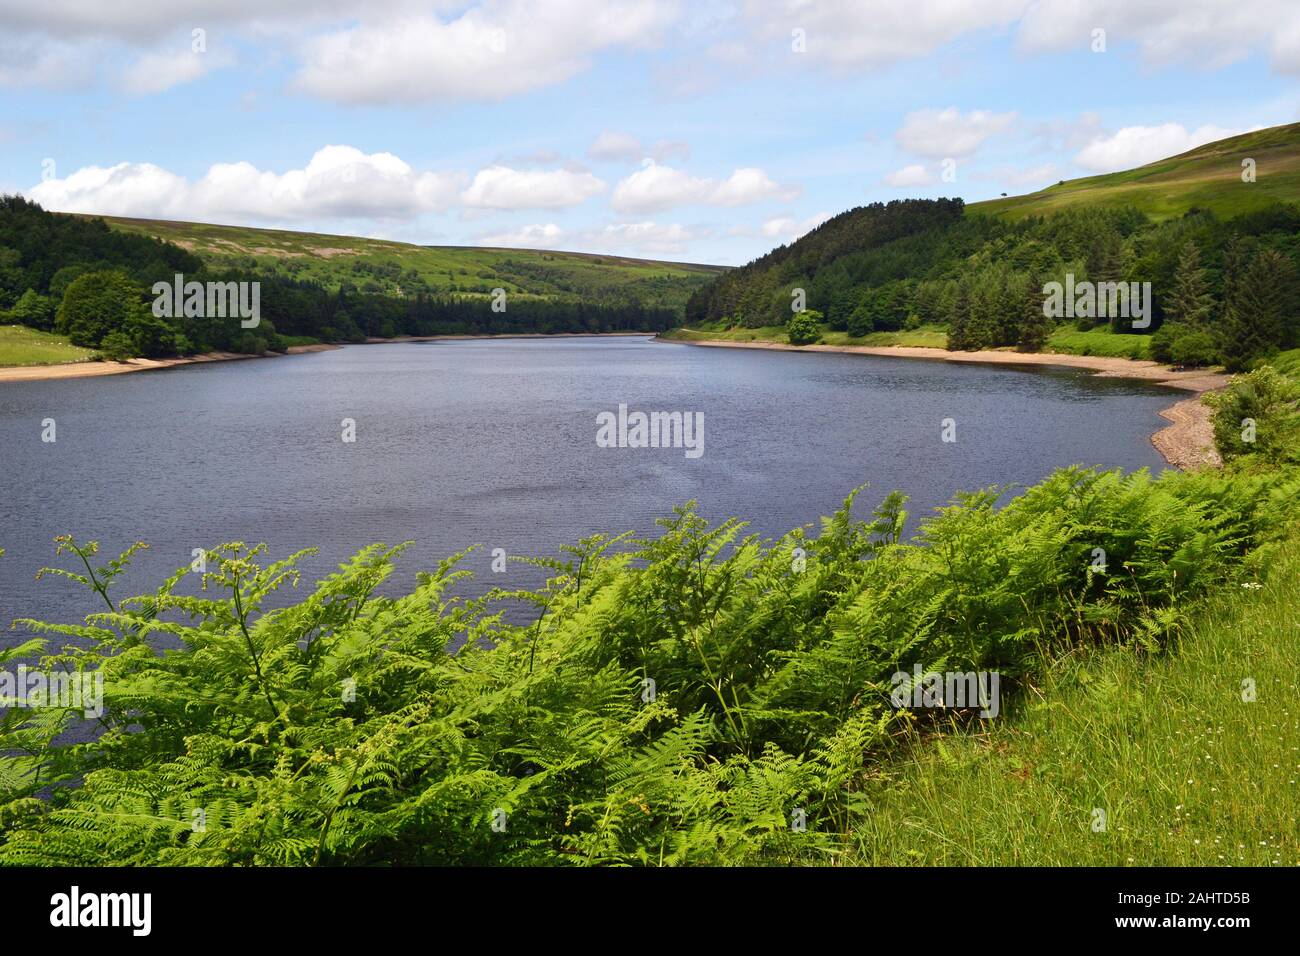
[[21, 346], [927, 336], [1065, 340], [1186, 771]]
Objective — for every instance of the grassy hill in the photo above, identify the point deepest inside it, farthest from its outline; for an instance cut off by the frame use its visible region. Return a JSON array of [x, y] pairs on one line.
[[398, 268], [1208, 177]]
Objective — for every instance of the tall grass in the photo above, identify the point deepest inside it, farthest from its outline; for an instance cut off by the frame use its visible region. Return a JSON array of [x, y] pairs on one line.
[[1186, 771]]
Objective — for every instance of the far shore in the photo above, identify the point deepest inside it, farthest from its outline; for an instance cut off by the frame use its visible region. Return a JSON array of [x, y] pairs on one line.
[[90, 369], [1186, 443]]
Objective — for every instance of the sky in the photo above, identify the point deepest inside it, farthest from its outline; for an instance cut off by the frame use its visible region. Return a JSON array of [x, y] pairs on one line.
[[695, 131]]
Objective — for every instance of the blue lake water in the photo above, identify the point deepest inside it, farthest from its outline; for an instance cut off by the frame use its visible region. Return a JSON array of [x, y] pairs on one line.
[[494, 442]]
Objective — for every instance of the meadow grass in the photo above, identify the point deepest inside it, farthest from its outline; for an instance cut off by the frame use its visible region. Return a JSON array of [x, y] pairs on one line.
[[928, 336], [1288, 363], [1067, 340], [21, 346], [1186, 771]]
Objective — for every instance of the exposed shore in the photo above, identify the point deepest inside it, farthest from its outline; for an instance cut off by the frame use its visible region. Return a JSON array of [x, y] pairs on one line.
[[1186, 443], [37, 373]]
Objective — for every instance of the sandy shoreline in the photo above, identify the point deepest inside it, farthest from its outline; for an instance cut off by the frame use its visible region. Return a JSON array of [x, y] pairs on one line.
[[513, 335], [1186, 443], [37, 373]]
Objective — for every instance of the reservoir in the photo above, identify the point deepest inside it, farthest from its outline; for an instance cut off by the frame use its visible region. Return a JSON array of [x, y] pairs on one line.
[[494, 442]]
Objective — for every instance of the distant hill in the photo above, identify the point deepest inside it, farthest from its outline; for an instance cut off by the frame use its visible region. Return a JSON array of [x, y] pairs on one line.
[[91, 281], [1214, 257], [398, 268], [1208, 177]]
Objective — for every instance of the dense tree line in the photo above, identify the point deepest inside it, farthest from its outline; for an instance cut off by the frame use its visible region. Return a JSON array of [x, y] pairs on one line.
[[760, 293], [78, 277], [1221, 290], [305, 308]]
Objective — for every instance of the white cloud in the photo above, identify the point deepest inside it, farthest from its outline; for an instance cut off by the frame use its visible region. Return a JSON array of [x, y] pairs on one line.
[[408, 51], [127, 189], [655, 187], [49, 63], [1138, 145], [490, 51], [500, 187], [659, 187], [149, 19], [872, 34], [650, 238], [340, 182], [633, 238], [537, 236], [612, 145], [788, 229], [1060, 135], [914, 175], [162, 70], [665, 150], [1020, 178], [750, 185], [624, 147], [1208, 33], [937, 134], [876, 33]]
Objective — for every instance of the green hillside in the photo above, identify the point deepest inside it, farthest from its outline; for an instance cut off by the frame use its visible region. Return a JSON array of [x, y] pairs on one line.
[[1208, 177], [1213, 264], [398, 268]]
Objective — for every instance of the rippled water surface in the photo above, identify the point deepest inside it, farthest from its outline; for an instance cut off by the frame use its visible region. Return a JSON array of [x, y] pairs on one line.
[[493, 442]]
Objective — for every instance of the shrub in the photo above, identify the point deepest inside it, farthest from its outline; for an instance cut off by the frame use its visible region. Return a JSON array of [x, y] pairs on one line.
[[98, 303], [117, 347], [1257, 414], [1178, 344], [804, 328], [1195, 347]]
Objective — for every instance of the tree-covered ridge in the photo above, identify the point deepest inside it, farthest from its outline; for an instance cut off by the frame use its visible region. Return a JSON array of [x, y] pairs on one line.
[[76, 276], [701, 697], [763, 288], [1221, 290]]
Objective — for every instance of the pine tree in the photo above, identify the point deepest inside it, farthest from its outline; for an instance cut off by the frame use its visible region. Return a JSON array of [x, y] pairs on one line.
[[1035, 325], [959, 323], [982, 329], [1190, 302], [1252, 323]]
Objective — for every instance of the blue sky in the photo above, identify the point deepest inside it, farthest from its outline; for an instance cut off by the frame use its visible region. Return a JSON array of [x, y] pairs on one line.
[[684, 130]]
